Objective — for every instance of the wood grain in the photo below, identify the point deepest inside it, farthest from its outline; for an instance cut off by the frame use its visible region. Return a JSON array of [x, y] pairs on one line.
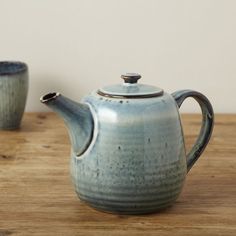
[[37, 197]]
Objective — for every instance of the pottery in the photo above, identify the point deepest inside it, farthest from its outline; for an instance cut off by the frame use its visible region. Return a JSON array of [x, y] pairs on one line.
[[128, 153], [13, 93]]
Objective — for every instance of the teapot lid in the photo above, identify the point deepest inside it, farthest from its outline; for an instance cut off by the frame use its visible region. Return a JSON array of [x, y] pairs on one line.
[[130, 88]]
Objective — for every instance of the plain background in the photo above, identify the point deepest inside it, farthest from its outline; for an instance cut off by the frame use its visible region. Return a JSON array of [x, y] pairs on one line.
[[75, 46]]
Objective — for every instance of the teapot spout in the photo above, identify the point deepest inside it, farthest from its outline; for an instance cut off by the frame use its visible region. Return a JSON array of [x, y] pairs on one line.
[[77, 117]]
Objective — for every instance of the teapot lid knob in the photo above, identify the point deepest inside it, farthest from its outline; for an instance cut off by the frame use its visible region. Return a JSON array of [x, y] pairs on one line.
[[131, 78]]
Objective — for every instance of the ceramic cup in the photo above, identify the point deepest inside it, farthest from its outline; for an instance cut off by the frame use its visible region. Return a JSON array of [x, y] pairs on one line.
[[13, 93]]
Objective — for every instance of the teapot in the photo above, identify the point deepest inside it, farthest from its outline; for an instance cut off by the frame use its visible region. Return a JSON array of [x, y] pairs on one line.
[[128, 152]]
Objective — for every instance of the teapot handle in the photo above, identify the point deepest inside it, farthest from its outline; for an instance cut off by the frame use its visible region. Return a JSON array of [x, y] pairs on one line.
[[207, 123]]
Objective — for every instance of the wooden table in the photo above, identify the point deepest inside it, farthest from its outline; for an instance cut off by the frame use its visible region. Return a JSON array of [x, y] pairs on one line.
[[37, 198]]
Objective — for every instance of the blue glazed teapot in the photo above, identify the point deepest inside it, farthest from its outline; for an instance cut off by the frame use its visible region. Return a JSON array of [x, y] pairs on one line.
[[128, 153]]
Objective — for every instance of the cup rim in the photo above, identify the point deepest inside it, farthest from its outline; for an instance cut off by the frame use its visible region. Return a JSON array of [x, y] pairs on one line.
[[12, 67]]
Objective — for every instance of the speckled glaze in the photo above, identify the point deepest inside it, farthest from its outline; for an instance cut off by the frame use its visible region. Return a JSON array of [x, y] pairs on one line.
[[135, 161], [13, 93]]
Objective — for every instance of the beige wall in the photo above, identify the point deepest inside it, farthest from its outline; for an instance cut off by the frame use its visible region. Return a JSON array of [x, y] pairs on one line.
[[74, 46]]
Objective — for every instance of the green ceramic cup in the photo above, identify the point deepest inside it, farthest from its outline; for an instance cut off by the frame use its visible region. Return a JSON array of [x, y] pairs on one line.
[[13, 93]]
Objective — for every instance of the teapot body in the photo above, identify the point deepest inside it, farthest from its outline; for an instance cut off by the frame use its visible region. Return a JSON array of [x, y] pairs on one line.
[[136, 161]]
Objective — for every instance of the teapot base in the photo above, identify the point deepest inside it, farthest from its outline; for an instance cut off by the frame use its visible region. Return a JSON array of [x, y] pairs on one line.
[[128, 210]]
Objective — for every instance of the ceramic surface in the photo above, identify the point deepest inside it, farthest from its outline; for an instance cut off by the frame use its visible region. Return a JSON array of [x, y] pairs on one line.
[[133, 159], [136, 161], [13, 93]]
